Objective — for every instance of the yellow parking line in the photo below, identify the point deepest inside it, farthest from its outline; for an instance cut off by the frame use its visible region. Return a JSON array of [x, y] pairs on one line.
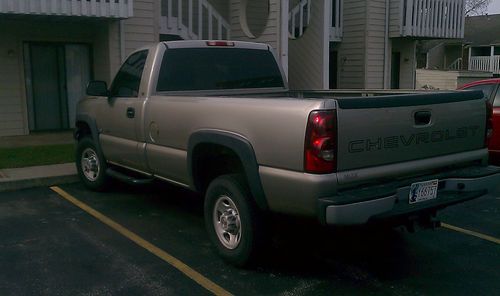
[[179, 265], [473, 233]]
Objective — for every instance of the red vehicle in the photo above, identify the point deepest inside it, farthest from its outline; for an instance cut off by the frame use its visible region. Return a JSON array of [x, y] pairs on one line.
[[491, 90]]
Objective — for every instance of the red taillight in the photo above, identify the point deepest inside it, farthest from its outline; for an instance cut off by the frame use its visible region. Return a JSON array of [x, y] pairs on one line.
[[220, 43], [319, 149], [489, 123]]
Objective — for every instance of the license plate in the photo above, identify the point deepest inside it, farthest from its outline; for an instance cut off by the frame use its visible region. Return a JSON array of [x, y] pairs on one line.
[[423, 191]]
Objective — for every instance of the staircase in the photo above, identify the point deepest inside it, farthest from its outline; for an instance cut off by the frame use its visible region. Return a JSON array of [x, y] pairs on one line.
[[456, 65], [192, 20]]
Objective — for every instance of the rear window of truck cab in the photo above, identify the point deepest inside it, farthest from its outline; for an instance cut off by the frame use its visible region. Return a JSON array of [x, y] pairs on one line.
[[188, 69]]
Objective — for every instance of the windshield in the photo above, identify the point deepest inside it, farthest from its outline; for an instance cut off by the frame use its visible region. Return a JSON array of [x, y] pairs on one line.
[[218, 68]]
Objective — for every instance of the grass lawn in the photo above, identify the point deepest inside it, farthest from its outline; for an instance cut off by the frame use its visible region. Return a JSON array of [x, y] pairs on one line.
[[36, 155]]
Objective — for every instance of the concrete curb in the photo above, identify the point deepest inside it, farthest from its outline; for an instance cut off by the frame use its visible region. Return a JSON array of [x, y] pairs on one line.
[[38, 176], [40, 182]]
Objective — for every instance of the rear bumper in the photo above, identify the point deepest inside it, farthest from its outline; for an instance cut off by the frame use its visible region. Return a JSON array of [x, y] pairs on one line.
[[391, 200]]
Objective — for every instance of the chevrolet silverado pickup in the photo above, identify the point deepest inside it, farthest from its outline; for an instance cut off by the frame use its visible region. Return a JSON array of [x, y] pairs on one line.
[[217, 117]]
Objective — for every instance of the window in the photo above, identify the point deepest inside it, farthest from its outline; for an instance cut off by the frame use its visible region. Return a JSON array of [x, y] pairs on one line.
[[187, 69], [486, 88], [128, 79], [496, 103]]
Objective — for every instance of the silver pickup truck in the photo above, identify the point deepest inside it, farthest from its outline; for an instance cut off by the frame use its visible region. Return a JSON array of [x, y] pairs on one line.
[[217, 117]]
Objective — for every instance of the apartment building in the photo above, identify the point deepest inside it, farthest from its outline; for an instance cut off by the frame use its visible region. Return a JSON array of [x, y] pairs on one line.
[[50, 49]]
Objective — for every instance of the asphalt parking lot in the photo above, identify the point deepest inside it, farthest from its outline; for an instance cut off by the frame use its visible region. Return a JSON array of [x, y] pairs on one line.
[[152, 241]]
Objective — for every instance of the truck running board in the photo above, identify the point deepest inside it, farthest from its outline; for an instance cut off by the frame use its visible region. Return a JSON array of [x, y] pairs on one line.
[[128, 179]]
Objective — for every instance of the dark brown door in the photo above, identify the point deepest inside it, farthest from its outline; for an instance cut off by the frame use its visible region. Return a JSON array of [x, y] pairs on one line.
[[333, 69], [395, 70]]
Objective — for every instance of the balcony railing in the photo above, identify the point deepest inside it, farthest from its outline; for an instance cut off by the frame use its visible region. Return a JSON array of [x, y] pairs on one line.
[[431, 18], [337, 20], [485, 63], [299, 18], [89, 8]]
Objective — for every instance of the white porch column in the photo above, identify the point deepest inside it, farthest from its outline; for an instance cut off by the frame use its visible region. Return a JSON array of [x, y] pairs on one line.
[[492, 53], [284, 36], [470, 58]]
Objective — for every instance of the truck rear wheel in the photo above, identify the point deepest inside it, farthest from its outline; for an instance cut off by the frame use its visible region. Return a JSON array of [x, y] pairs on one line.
[[91, 165], [233, 220]]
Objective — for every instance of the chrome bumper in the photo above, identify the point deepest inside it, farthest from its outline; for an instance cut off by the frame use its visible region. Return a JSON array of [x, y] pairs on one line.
[[451, 191]]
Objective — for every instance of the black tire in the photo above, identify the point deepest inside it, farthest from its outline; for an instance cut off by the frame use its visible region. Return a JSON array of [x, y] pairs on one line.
[[92, 171], [252, 233]]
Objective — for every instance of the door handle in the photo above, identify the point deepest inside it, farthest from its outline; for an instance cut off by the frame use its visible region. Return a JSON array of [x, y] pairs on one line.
[[423, 117], [130, 112]]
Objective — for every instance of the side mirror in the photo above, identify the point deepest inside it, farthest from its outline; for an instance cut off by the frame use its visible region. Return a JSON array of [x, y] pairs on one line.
[[97, 88]]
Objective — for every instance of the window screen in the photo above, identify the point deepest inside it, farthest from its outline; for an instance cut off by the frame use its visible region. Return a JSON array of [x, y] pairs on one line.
[[218, 68], [128, 79]]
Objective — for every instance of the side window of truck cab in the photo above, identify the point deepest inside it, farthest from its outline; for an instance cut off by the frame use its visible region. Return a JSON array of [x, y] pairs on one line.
[[496, 103], [127, 81]]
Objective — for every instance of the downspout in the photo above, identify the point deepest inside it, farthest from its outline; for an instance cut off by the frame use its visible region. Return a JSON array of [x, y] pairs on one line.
[[284, 37], [386, 46], [327, 21], [122, 41]]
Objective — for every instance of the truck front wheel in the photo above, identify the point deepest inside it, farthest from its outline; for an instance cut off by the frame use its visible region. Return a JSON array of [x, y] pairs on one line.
[[91, 165], [233, 220]]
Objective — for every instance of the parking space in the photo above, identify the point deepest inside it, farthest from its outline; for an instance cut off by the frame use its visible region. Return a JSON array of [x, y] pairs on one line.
[[51, 246]]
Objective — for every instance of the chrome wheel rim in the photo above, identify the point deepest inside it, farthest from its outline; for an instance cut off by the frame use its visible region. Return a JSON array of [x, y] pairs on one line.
[[227, 223], [90, 164]]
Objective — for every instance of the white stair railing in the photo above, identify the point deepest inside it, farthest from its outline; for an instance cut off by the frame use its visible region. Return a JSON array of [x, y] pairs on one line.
[[456, 65], [193, 19], [299, 18]]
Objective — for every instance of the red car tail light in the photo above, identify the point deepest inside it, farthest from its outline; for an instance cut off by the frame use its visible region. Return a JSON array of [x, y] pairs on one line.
[[320, 144]]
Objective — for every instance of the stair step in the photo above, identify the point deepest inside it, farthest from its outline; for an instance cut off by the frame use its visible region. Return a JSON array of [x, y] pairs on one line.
[[128, 179]]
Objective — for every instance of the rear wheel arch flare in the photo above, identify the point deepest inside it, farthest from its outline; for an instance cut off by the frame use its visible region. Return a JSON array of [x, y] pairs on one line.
[[233, 146]]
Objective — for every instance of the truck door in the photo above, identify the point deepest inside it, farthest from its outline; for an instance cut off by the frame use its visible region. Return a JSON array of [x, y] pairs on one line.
[[120, 119]]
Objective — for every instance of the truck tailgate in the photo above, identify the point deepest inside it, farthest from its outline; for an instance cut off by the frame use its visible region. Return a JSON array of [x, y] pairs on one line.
[[385, 130]]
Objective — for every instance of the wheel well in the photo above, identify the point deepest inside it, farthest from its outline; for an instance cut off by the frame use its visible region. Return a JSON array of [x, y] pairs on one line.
[[210, 161], [82, 129]]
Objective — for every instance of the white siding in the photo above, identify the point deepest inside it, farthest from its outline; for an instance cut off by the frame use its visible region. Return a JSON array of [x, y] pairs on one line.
[[437, 79], [222, 7], [352, 50], [142, 29], [114, 50], [395, 18], [271, 32], [407, 48], [375, 44], [306, 56], [12, 120]]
